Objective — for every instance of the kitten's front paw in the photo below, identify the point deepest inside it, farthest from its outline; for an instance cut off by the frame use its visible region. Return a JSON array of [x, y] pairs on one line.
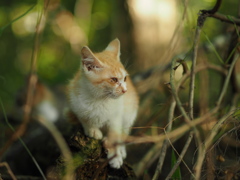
[[94, 133], [116, 162], [116, 156], [116, 153]]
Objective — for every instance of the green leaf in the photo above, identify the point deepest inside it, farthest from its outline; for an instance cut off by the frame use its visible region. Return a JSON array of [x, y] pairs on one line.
[[214, 49], [177, 173]]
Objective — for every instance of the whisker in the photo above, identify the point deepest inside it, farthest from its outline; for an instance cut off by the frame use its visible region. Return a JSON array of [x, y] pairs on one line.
[[125, 64]]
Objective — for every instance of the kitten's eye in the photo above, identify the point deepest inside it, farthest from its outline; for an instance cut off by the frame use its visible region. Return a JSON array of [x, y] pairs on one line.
[[125, 78], [114, 79]]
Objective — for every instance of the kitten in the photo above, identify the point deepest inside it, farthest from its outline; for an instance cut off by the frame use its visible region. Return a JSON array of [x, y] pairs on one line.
[[102, 95]]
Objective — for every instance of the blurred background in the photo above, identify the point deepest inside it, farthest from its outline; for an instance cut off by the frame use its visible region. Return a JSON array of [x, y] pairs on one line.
[[144, 27], [151, 32]]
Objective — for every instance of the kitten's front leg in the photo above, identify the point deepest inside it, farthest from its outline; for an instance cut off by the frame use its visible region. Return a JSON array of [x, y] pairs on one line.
[[116, 153], [124, 135]]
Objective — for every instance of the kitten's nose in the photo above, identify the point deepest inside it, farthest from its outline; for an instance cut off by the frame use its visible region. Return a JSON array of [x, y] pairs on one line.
[[124, 90]]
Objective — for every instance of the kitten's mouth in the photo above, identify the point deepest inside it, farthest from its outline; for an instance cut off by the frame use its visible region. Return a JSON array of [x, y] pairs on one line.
[[113, 96]]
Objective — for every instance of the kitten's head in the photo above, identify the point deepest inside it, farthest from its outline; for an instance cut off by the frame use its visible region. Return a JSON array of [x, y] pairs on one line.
[[105, 70]]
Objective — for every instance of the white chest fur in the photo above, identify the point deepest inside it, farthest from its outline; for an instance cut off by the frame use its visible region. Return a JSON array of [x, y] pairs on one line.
[[96, 111]]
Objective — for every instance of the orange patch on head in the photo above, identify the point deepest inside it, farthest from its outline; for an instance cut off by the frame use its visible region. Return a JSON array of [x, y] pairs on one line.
[[109, 59]]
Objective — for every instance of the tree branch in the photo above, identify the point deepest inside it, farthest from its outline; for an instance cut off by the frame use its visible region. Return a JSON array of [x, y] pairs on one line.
[[224, 18], [215, 8]]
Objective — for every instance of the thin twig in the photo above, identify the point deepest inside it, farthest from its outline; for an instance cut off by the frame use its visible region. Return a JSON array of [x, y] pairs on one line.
[[180, 158], [22, 142], [144, 162], [224, 18], [32, 81], [225, 86], [170, 142], [182, 110], [165, 142], [5, 164], [173, 134], [192, 78], [30, 92], [200, 22], [33, 77]]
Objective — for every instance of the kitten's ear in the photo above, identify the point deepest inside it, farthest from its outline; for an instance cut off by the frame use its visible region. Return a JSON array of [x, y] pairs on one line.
[[90, 62], [114, 47]]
